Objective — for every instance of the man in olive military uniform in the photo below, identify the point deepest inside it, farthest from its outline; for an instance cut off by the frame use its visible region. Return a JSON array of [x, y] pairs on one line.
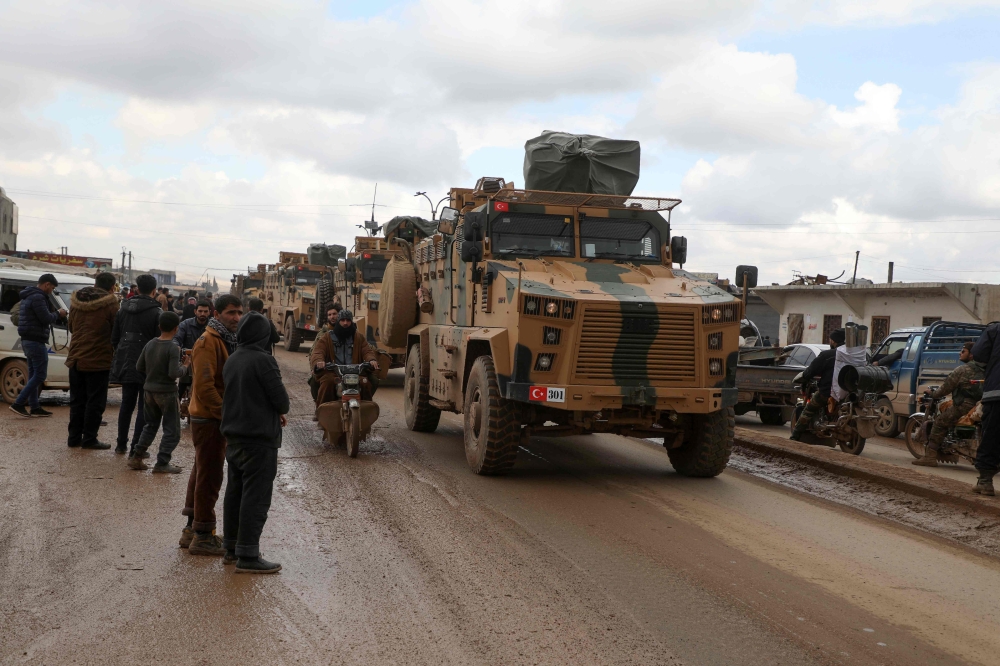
[[964, 395]]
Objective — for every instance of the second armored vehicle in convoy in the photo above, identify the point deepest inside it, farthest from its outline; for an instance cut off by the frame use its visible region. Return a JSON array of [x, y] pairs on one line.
[[561, 313], [290, 291]]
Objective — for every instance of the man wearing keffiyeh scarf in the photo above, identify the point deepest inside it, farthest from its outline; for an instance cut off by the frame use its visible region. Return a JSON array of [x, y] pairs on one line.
[[208, 356]]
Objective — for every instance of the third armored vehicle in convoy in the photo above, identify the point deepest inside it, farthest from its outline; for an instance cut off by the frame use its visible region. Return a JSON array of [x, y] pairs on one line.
[[561, 313], [290, 292]]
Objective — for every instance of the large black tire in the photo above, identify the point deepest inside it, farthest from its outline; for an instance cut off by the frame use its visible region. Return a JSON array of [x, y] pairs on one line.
[[772, 416], [292, 335], [420, 415], [855, 446], [886, 425], [706, 452], [13, 377], [492, 430], [324, 299], [397, 309]]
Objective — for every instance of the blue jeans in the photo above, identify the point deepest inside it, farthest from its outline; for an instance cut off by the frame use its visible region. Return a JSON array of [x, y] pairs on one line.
[[160, 409], [37, 354]]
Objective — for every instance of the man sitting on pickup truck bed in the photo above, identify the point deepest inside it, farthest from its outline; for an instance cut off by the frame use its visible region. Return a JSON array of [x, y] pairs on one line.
[[964, 395], [822, 367]]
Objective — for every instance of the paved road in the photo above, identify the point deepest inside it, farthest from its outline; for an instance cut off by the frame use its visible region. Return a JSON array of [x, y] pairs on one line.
[[592, 551]]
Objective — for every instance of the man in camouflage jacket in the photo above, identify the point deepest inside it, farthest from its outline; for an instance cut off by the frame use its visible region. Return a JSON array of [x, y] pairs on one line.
[[964, 393]]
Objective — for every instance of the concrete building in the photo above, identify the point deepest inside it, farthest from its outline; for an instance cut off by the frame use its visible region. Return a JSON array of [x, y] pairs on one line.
[[8, 222], [163, 277], [807, 313]]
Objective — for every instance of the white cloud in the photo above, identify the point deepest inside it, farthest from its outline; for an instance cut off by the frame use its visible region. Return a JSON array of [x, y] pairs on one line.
[[149, 120]]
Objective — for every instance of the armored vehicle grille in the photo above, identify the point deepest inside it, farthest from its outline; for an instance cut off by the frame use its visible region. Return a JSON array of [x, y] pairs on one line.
[[656, 347]]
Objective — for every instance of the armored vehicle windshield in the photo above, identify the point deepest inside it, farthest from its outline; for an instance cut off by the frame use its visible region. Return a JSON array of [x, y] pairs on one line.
[[525, 234], [372, 269], [617, 238]]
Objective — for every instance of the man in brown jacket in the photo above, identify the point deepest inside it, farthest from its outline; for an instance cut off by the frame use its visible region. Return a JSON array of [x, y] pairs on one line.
[[208, 356], [343, 345], [91, 320]]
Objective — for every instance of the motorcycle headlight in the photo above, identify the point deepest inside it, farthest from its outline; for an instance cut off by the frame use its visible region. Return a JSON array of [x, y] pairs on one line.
[[351, 380]]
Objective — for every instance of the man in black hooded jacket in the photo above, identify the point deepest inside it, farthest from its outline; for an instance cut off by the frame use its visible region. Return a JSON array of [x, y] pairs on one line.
[[822, 367], [137, 323], [253, 414]]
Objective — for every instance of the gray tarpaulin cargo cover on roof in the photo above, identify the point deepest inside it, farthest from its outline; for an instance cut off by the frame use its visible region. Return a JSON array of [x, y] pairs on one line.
[[321, 254], [425, 227], [560, 162]]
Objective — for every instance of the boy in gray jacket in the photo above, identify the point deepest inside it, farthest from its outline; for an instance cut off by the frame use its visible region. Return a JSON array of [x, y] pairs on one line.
[[161, 362]]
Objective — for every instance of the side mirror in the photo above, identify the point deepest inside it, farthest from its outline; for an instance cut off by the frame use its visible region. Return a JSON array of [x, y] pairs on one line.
[[351, 263], [472, 251], [351, 276], [446, 227], [449, 214], [751, 274], [679, 250], [474, 224]]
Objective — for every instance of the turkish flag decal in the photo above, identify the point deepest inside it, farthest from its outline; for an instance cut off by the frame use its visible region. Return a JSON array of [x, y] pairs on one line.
[[538, 393], [501, 206]]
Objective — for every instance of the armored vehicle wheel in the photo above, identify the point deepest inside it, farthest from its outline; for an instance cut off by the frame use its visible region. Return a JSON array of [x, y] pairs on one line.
[[492, 431], [706, 451], [420, 415], [771, 416], [885, 425], [324, 299], [13, 379], [293, 336], [397, 310]]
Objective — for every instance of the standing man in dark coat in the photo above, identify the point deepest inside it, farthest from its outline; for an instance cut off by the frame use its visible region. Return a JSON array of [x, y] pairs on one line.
[[987, 351], [137, 323], [253, 413], [35, 316], [91, 321]]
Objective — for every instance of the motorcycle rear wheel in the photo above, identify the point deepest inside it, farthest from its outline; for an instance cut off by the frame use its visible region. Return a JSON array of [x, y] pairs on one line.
[[912, 434], [855, 446], [354, 433]]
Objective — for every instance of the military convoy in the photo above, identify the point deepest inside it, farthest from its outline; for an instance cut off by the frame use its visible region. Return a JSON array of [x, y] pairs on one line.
[[559, 309], [293, 291], [561, 313]]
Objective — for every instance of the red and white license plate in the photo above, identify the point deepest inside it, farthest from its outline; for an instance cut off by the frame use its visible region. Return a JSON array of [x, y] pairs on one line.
[[546, 394]]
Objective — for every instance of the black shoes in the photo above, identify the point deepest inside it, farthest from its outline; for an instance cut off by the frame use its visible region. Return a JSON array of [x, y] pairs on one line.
[[38, 412], [121, 450], [95, 445], [229, 557], [166, 469], [256, 565], [21, 410]]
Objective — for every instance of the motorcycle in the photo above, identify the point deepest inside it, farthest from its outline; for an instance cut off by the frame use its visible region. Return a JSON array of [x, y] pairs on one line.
[[850, 422], [962, 441], [348, 419]]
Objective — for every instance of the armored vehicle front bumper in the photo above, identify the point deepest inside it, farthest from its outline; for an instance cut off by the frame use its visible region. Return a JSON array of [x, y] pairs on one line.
[[595, 398]]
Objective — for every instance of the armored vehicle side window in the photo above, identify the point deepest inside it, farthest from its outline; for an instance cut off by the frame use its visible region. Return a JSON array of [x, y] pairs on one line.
[[372, 270], [616, 238], [532, 235]]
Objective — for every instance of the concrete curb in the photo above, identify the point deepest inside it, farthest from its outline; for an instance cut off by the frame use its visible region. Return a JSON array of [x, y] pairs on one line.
[[835, 461]]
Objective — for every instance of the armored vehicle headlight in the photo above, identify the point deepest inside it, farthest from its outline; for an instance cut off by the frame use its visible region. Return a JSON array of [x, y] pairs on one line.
[[351, 380], [551, 337], [716, 314], [715, 366], [552, 307], [530, 306]]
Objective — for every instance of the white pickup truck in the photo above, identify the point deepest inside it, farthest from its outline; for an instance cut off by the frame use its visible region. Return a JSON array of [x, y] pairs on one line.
[[13, 366]]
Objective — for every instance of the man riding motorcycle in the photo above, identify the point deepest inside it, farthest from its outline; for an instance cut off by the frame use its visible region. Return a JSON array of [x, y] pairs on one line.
[[822, 367], [964, 395], [343, 345]]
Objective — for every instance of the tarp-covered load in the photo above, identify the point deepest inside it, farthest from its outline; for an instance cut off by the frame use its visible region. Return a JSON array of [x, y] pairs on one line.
[[321, 254], [560, 162], [423, 228]]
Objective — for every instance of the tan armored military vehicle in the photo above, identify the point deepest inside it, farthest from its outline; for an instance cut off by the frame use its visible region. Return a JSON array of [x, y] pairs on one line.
[[289, 292], [248, 285], [555, 313], [358, 281]]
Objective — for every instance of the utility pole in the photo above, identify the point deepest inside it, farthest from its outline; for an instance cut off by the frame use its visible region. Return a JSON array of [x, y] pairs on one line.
[[890, 271], [122, 265], [854, 280], [130, 266]]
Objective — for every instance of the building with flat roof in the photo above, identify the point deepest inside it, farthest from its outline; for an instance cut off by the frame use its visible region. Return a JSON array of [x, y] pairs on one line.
[[807, 313], [8, 222]]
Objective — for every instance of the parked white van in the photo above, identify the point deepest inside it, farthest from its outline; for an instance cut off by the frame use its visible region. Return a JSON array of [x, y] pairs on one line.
[[13, 366]]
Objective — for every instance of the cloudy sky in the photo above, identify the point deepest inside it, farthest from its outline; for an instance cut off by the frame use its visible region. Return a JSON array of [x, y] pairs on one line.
[[207, 135]]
